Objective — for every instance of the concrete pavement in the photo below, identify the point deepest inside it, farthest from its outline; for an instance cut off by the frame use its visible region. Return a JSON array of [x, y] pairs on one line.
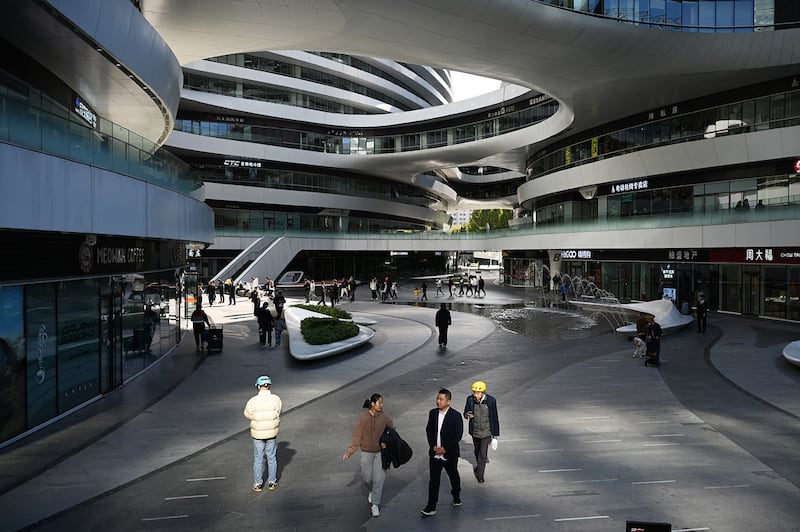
[[589, 437]]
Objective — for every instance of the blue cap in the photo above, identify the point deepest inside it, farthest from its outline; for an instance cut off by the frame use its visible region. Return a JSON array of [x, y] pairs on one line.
[[263, 381]]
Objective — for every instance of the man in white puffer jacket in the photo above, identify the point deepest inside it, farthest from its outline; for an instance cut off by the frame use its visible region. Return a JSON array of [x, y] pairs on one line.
[[264, 412]]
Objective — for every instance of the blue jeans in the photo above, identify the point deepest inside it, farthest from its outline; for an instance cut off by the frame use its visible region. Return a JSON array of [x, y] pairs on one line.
[[260, 447]]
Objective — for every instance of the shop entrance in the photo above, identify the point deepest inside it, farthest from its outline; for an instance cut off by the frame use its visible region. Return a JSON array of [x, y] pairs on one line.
[[751, 293]]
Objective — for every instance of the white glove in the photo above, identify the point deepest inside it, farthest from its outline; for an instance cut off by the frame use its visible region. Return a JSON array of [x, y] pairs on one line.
[[494, 443]]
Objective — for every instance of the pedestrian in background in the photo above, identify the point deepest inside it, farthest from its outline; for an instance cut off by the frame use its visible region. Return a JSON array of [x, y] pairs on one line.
[[484, 425], [264, 412], [280, 326], [367, 433], [199, 321], [443, 321], [444, 431], [265, 324], [702, 313]]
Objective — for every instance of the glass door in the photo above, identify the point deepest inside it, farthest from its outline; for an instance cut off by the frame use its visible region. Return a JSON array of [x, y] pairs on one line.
[[751, 293]]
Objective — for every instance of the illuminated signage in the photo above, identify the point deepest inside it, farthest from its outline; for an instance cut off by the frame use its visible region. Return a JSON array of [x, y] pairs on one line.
[[682, 254], [241, 164], [668, 272], [797, 166], [500, 112], [759, 255], [83, 110], [130, 255], [630, 186], [576, 254]]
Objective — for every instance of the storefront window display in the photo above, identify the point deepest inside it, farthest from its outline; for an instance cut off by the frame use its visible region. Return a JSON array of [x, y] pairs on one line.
[[12, 362]]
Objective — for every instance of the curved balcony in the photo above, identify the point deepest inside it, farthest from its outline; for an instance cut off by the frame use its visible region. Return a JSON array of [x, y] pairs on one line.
[[30, 119]]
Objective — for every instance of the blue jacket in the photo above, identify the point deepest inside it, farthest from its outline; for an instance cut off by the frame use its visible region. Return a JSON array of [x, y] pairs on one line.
[[494, 422], [452, 431]]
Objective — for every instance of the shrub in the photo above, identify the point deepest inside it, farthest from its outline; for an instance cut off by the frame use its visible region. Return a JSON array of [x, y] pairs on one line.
[[333, 312], [317, 331]]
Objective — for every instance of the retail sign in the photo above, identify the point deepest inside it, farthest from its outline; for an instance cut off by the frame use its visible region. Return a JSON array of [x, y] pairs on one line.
[[668, 272], [241, 164], [758, 255], [83, 110], [683, 254], [630, 186], [797, 166], [500, 112], [576, 254]]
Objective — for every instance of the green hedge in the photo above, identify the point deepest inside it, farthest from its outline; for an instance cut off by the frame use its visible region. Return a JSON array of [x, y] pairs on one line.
[[333, 312], [318, 331]]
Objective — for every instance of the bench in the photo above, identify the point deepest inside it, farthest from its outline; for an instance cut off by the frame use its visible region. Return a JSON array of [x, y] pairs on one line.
[[792, 353]]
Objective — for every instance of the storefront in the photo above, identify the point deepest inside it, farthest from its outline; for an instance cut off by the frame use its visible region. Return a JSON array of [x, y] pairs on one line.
[[749, 281], [81, 315]]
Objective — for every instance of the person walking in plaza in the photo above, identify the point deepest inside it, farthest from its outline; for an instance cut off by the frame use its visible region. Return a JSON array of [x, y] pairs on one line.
[[265, 325], [199, 321], [231, 288], [366, 436], [424, 287], [373, 288], [450, 284], [444, 431], [211, 290], [641, 334], [702, 313], [307, 290], [279, 302], [481, 286], [264, 412], [653, 342], [439, 291], [484, 425], [351, 288], [280, 326], [443, 321]]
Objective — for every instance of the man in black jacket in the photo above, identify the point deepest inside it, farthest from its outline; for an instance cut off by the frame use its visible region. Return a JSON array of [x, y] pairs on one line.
[[443, 321], [444, 431], [265, 325]]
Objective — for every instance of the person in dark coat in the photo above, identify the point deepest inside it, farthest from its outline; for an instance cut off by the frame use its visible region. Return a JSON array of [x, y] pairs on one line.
[[444, 431], [702, 313], [443, 321], [265, 325]]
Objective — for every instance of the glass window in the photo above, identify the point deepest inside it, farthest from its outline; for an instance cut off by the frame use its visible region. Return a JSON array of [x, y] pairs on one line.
[[690, 16], [674, 11], [775, 292], [658, 11], [707, 16], [744, 14], [78, 343], [725, 15], [730, 289], [12, 363]]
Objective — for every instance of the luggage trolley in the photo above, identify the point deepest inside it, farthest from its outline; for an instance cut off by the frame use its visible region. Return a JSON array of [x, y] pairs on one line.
[[214, 337]]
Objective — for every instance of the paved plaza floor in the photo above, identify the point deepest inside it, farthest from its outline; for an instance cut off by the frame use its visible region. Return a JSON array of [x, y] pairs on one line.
[[590, 437]]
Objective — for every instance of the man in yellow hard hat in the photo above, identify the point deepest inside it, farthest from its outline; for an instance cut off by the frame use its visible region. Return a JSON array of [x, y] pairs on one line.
[[484, 425]]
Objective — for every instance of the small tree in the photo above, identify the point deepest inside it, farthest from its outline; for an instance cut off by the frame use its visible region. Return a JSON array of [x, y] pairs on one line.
[[491, 218]]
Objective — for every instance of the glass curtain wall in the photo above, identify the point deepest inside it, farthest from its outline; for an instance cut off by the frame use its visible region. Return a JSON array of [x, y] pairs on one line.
[[64, 343]]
